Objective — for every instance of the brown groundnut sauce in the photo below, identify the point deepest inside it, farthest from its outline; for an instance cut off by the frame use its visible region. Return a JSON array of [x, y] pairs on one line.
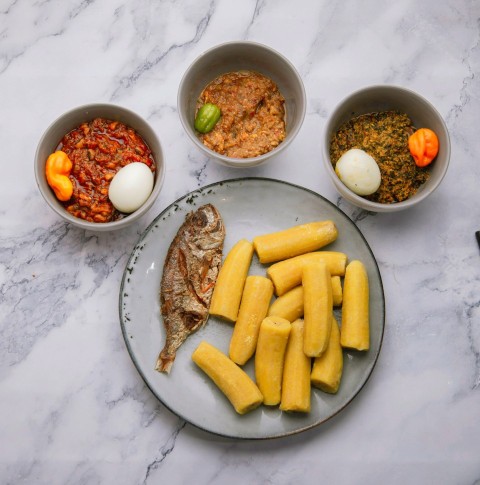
[[98, 150], [252, 118]]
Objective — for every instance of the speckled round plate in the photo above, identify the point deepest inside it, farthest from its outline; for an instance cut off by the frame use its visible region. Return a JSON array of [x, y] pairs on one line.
[[249, 207]]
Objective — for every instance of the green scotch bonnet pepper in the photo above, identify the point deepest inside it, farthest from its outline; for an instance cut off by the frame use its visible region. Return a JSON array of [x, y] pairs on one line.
[[207, 117]]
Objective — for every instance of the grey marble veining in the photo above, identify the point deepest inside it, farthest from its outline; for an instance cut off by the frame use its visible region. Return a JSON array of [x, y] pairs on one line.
[[73, 408]]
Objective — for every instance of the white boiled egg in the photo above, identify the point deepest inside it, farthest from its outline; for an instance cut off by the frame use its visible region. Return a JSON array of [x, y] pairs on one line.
[[358, 171], [130, 187]]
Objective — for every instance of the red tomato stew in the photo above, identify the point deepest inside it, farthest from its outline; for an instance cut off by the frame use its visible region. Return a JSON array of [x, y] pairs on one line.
[[98, 150]]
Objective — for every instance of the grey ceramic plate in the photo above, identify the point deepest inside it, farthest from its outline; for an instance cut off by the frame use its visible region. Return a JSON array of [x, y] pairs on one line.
[[249, 207]]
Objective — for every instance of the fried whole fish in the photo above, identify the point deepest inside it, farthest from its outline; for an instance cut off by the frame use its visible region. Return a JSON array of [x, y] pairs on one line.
[[189, 275]]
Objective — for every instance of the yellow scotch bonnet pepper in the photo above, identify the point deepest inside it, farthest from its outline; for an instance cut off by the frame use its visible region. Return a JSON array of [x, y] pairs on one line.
[[57, 170]]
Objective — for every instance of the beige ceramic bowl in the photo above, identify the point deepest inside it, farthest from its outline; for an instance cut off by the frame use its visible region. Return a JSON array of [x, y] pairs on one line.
[[235, 56], [384, 98], [70, 120]]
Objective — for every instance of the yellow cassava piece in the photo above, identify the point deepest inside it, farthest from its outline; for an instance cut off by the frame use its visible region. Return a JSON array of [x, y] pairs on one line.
[[233, 381], [257, 293], [270, 356], [355, 331], [327, 369], [231, 280], [337, 292], [296, 388], [287, 274], [296, 240], [318, 307], [289, 305]]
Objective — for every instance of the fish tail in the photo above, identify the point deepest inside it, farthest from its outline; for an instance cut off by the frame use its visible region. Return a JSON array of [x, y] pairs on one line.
[[164, 362]]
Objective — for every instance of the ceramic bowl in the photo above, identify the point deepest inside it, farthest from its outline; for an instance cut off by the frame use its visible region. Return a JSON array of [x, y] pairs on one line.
[[384, 98], [70, 120], [235, 56]]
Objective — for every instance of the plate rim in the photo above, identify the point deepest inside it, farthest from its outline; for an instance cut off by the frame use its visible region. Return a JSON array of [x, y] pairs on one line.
[[133, 255]]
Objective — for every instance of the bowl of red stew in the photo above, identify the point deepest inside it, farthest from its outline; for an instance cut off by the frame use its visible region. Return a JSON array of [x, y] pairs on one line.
[[241, 103], [100, 166], [386, 148]]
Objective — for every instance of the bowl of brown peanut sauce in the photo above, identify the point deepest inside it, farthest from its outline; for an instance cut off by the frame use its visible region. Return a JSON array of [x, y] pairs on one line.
[[241, 103]]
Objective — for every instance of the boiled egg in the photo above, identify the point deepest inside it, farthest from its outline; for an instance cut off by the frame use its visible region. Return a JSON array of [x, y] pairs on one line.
[[358, 171], [131, 187]]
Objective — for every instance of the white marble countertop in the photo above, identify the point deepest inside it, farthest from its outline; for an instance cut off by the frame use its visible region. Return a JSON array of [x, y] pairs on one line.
[[73, 407]]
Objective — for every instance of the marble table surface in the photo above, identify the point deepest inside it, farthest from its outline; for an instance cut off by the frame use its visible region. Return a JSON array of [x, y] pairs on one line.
[[73, 407]]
